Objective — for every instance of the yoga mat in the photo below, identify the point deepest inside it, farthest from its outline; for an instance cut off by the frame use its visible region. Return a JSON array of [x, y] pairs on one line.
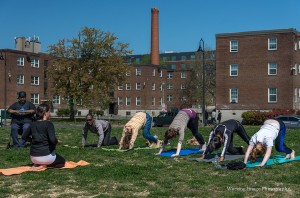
[[135, 148], [22, 169], [277, 159], [183, 152], [210, 158]]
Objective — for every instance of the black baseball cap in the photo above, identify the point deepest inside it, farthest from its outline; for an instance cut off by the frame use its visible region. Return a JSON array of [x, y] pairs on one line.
[[22, 94]]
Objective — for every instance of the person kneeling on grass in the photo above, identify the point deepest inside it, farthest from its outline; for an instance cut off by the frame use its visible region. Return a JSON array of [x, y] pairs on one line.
[[186, 118], [263, 140], [131, 129], [41, 134], [101, 127]]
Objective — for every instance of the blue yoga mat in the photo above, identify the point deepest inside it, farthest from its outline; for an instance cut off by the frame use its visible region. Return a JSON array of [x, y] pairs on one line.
[[277, 159], [183, 152]]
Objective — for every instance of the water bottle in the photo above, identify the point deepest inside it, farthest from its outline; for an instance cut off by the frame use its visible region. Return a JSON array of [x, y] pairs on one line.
[[216, 162]]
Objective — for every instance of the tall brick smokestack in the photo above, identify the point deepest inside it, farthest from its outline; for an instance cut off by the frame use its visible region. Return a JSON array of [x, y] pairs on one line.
[[154, 37]]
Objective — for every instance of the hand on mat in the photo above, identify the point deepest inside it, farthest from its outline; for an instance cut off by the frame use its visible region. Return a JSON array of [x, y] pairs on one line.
[[222, 159], [259, 165]]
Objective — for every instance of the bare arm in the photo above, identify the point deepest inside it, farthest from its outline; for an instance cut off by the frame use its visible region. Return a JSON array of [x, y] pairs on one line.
[[266, 157], [249, 149], [178, 150]]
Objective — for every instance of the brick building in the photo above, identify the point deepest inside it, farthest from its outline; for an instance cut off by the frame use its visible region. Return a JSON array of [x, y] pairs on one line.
[[154, 88], [257, 70]]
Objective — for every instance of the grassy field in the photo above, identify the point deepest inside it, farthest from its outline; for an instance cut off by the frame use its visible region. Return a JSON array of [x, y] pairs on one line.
[[137, 173]]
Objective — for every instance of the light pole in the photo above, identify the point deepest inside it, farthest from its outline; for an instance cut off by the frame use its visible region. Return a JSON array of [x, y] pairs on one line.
[[201, 49], [4, 58]]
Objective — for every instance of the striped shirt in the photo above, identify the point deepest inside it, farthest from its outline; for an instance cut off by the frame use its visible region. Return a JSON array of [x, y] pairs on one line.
[[135, 123]]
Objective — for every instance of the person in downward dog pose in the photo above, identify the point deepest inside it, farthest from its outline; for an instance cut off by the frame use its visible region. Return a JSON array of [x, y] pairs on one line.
[[186, 118], [223, 134], [263, 141], [131, 129]]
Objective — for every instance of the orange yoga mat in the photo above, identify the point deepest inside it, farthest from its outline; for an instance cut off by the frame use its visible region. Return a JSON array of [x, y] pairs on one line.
[[22, 169]]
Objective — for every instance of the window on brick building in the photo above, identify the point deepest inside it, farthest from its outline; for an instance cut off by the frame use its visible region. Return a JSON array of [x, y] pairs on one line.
[[183, 66], [35, 80], [183, 58], [128, 101], [173, 58], [153, 101], [20, 79], [153, 86], [234, 46], [20, 61], [298, 68], [169, 86], [170, 75], [153, 72], [35, 62], [169, 98], [138, 71], [234, 70], [193, 57], [120, 86], [34, 98], [160, 73], [272, 43], [120, 101], [160, 101], [128, 73], [56, 99], [138, 86], [183, 74], [272, 95], [182, 86], [272, 69], [138, 101], [183, 98], [128, 86], [233, 94]]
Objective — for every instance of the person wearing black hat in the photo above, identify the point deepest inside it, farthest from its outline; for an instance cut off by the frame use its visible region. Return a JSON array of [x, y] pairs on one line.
[[22, 115]]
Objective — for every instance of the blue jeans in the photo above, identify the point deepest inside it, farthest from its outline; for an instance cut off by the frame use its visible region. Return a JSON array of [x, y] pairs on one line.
[[146, 131], [15, 128]]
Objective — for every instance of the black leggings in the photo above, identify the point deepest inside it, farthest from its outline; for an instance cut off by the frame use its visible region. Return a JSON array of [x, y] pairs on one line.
[[240, 130], [106, 139], [193, 126], [59, 162]]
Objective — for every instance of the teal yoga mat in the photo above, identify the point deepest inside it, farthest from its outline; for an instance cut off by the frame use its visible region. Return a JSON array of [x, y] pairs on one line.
[[277, 159]]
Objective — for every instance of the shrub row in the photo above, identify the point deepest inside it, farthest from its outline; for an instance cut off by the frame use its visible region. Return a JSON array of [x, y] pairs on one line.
[[258, 117]]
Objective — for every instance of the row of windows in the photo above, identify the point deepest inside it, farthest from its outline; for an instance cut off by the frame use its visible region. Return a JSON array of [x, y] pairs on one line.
[[169, 58], [138, 86], [170, 75], [34, 62], [35, 80], [272, 69], [138, 100], [272, 44], [272, 95]]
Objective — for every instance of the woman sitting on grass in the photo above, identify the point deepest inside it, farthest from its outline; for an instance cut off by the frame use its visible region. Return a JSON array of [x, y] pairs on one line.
[[186, 118], [41, 134], [131, 129], [263, 140]]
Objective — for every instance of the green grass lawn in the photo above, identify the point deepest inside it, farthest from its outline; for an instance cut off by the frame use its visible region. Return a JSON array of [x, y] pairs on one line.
[[138, 174]]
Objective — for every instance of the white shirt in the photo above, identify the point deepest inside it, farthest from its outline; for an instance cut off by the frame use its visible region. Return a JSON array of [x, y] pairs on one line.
[[266, 135]]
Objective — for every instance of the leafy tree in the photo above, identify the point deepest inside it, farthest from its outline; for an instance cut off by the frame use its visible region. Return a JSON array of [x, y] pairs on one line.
[[87, 68]]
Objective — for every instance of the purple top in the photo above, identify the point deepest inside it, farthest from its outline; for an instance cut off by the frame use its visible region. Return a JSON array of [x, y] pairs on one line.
[[190, 112]]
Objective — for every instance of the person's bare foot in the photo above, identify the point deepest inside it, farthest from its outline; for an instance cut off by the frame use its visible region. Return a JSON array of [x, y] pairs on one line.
[[293, 155], [36, 167]]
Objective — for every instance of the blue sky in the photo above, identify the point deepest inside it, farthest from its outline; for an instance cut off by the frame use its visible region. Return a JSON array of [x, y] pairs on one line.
[[182, 23]]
